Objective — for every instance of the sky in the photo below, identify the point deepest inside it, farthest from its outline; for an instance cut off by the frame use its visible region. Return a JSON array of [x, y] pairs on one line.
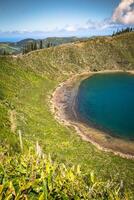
[[44, 18]]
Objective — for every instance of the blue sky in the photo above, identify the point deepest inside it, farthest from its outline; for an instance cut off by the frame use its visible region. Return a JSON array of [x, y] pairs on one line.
[[42, 18]]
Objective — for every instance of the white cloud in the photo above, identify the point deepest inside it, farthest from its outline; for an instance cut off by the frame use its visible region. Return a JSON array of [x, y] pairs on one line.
[[88, 28], [122, 16], [124, 13], [99, 25], [89, 25], [71, 28]]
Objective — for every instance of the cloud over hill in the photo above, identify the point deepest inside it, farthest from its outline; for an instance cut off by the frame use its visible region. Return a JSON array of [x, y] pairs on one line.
[[124, 13]]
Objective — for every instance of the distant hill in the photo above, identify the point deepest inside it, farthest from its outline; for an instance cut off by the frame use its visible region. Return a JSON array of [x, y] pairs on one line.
[[17, 47], [22, 42], [8, 48]]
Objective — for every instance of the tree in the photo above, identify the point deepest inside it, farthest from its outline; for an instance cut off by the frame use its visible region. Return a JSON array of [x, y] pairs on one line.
[[41, 44], [35, 46], [5, 52], [31, 46], [126, 30], [49, 44], [113, 33]]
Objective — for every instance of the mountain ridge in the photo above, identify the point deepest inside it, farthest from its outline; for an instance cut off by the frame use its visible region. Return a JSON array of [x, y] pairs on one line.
[[17, 47]]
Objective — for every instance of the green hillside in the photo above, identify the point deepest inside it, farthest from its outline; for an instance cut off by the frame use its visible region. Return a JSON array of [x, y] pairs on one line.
[[26, 85], [9, 49], [17, 47]]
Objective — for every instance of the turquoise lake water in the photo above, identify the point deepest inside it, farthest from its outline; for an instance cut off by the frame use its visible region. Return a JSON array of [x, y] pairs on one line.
[[107, 102]]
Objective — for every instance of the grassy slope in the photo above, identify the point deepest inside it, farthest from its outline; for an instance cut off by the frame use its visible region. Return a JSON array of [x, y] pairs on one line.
[[26, 84], [9, 49]]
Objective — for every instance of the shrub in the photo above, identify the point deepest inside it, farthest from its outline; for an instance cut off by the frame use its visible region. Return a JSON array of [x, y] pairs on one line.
[[28, 176]]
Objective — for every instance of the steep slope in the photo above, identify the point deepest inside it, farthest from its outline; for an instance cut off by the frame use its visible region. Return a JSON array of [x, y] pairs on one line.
[[26, 85], [95, 54]]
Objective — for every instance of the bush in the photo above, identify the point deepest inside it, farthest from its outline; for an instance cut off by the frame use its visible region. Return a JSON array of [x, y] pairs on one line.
[[29, 176]]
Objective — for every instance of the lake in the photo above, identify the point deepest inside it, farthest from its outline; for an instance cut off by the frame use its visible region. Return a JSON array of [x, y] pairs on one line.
[[107, 102]]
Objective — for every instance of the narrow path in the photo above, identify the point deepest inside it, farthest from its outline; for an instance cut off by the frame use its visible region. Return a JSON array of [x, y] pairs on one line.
[[12, 118]]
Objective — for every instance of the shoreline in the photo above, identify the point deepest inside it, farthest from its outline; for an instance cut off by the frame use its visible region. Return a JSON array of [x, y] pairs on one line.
[[63, 103]]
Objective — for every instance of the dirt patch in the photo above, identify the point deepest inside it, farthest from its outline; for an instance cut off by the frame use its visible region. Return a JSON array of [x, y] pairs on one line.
[[12, 118]]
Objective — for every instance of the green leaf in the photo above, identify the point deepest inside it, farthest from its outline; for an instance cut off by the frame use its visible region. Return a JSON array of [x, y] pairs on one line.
[[42, 196], [1, 188]]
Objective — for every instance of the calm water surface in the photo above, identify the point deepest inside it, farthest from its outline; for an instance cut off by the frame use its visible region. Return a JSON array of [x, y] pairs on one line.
[[107, 100]]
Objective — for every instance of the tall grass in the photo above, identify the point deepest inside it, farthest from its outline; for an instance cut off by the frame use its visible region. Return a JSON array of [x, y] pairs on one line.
[[32, 176]]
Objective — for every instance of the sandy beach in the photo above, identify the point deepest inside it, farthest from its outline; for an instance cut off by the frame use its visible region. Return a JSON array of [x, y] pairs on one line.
[[63, 103]]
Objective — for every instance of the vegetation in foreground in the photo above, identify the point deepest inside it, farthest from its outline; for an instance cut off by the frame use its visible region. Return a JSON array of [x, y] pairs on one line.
[[26, 85], [36, 176]]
